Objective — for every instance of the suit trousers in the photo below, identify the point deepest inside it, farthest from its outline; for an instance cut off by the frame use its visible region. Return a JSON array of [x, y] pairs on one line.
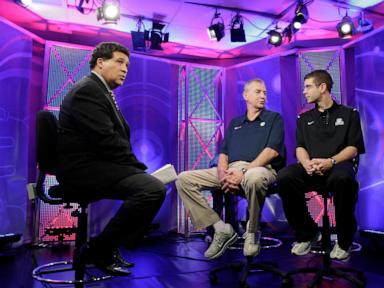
[[255, 184], [340, 181], [142, 196]]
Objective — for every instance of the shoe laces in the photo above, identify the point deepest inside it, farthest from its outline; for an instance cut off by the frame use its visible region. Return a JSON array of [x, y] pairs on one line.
[[219, 237], [252, 238]]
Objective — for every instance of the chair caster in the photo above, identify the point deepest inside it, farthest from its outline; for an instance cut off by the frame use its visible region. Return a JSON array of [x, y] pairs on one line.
[[213, 279], [244, 284], [287, 282]]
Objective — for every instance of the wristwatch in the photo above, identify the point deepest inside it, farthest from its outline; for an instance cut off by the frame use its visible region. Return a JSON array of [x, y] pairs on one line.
[[333, 161], [244, 170]]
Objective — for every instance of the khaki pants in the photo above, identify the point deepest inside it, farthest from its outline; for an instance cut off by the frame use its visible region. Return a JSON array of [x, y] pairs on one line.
[[255, 183]]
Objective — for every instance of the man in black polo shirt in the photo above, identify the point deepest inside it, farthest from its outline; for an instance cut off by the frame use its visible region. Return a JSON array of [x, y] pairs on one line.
[[248, 160], [328, 143]]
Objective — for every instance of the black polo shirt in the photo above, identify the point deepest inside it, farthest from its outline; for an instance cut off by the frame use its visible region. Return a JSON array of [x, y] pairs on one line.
[[324, 134], [244, 140]]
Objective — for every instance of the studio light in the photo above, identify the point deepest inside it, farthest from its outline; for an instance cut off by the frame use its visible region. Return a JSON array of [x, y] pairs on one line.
[[138, 40], [301, 16], [345, 27], [216, 31], [237, 29], [24, 3], [156, 36], [138, 37], [365, 25], [275, 38], [109, 12]]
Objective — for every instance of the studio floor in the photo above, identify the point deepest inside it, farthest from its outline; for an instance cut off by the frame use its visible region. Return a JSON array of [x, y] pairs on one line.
[[175, 261]]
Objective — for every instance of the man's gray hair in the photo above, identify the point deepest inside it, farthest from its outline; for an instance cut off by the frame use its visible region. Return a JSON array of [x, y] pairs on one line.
[[249, 82]]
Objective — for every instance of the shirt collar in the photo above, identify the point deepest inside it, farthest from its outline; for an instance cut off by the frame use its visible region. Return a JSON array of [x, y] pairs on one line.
[[330, 109], [258, 118], [102, 80]]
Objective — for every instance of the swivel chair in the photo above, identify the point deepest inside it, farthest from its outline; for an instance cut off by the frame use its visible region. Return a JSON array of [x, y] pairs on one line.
[[249, 266], [46, 140], [327, 270]]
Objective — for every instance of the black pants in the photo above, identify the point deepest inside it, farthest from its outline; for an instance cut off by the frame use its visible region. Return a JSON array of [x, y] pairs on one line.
[[340, 181], [143, 195]]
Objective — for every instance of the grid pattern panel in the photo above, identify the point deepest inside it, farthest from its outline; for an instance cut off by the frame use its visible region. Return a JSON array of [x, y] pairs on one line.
[[66, 66], [315, 204], [327, 60], [202, 105], [200, 124]]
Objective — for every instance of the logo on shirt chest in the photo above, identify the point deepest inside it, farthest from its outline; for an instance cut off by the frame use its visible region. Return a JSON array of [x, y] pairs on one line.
[[339, 122], [262, 124]]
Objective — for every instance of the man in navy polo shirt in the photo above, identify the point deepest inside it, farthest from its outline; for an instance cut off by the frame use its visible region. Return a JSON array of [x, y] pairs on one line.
[[250, 155], [328, 143]]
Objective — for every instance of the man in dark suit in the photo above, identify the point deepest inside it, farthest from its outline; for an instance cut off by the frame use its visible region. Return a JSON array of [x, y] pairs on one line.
[[95, 159]]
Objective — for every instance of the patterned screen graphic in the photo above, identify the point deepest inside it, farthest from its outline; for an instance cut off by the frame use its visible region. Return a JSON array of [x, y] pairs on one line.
[[56, 223]]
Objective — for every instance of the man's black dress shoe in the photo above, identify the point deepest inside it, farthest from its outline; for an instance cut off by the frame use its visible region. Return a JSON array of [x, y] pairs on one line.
[[120, 260], [107, 264], [113, 269]]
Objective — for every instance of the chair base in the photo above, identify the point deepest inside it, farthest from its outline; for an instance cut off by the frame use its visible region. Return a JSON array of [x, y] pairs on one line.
[[60, 267], [249, 266], [341, 272]]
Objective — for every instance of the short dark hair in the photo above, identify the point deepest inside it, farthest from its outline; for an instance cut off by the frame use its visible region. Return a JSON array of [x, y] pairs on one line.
[[321, 76], [105, 50]]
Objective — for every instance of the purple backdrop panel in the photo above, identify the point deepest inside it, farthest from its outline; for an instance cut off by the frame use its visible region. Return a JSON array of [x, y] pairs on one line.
[[369, 69], [15, 71], [267, 70], [148, 101]]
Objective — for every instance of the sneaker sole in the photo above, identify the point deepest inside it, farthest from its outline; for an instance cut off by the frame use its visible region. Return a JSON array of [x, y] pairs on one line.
[[229, 242], [342, 259]]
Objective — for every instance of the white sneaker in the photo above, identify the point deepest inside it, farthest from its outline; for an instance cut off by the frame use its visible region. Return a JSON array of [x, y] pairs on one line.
[[339, 254], [251, 244], [220, 242], [303, 248]]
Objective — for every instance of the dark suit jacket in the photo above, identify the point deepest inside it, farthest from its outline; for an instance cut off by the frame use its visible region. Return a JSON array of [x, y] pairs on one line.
[[94, 149]]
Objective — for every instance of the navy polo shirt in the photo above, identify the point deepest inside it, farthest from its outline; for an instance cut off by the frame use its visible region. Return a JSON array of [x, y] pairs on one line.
[[244, 140], [324, 134]]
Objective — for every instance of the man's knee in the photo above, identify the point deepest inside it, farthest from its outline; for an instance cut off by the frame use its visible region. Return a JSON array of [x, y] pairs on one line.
[[162, 191], [183, 179], [154, 189], [286, 174], [257, 179], [341, 177]]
